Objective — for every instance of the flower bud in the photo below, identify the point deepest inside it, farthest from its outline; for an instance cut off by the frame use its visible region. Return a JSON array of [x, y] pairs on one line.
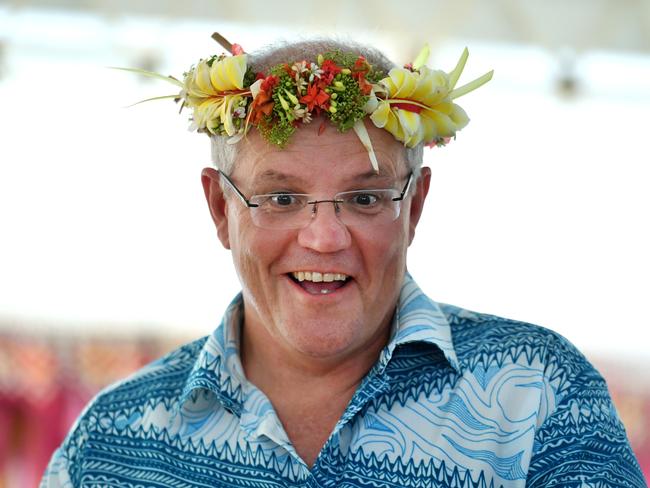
[[292, 97], [283, 102]]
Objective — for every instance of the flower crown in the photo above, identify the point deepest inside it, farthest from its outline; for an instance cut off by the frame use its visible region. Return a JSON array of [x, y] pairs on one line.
[[413, 103]]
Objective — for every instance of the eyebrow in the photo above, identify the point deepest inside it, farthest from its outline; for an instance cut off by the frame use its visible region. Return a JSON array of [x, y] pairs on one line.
[[271, 175], [373, 175]]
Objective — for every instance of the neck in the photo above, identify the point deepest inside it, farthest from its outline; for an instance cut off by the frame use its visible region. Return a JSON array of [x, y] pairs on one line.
[[292, 372], [309, 394]]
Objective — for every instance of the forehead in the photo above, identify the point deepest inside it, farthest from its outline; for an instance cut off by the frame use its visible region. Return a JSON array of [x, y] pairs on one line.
[[318, 153]]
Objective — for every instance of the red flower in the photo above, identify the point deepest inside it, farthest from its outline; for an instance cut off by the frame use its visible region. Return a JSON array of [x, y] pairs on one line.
[[269, 83], [315, 97], [330, 66], [330, 70]]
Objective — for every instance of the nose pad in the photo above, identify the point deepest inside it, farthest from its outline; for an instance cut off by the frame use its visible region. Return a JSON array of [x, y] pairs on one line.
[[325, 232]]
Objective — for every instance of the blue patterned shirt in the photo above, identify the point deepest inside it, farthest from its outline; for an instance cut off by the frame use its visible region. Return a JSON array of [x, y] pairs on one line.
[[456, 399]]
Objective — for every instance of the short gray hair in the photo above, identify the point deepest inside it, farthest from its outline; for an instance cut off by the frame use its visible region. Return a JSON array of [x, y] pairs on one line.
[[224, 154]]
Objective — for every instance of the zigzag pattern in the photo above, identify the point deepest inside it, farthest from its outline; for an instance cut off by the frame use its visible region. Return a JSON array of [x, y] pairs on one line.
[[456, 399]]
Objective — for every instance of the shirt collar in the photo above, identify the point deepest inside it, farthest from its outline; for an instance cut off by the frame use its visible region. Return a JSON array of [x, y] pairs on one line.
[[218, 367], [419, 319]]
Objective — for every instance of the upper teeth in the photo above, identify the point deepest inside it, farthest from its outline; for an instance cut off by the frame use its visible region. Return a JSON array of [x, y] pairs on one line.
[[318, 277]]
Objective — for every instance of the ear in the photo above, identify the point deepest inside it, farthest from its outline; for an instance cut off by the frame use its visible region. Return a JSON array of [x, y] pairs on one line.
[[417, 201], [216, 203]]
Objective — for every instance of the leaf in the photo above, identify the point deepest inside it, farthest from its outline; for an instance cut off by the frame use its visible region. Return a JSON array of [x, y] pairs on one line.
[[472, 85], [364, 137], [458, 70], [422, 57], [150, 74], [151, 99]]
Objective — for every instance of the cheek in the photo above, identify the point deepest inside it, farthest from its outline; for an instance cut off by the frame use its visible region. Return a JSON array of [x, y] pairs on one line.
[[384, 253], [254, 252]]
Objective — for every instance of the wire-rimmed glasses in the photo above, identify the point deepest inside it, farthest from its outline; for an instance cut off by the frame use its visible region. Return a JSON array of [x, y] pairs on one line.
[[356, 208]]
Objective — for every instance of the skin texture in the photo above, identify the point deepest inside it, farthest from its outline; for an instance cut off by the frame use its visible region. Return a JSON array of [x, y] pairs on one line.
[[320, 346]]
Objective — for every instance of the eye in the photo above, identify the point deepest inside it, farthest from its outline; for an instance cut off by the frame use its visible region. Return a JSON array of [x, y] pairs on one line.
[[283, 200], [364, 199], [279, 202]]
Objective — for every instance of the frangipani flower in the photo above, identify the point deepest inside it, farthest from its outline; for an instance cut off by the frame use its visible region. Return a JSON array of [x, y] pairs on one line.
[[213, 89], [418, 106]]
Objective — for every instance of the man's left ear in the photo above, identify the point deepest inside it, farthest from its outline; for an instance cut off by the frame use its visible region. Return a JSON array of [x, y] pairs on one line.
[[417, 201]]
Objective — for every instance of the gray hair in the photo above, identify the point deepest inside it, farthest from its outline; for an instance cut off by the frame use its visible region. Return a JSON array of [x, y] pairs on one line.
[[224, 154]]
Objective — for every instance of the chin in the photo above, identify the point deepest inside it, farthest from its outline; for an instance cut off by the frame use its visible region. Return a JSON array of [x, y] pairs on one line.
[[322, 338]]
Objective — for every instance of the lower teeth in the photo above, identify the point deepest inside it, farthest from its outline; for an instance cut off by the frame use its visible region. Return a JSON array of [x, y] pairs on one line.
[[325, 292]]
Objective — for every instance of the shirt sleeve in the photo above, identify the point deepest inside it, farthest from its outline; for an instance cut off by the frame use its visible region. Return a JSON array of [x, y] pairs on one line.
[[582, 443], [57, 474]]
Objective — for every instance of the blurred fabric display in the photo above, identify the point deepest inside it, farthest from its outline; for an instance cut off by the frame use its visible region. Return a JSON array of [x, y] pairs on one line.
[[44, 384], [107, 256]]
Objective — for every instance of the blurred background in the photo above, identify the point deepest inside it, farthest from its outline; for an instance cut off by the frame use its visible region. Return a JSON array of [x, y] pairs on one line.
[[538, 211]]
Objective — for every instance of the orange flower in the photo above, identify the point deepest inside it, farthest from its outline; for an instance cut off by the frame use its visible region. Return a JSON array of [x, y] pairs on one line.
[[359, 72], [315, 97], [262, 105]]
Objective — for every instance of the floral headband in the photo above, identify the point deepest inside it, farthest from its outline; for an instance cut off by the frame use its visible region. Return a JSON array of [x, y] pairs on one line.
[[413, 103]]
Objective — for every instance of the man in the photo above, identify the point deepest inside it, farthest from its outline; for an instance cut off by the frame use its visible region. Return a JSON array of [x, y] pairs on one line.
[[332, 368]]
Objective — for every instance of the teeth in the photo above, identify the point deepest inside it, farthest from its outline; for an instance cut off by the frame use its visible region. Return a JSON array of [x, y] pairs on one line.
[[318, 277]]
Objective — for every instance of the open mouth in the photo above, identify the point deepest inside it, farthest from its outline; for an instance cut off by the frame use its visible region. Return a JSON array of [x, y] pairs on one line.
[[318, 283]]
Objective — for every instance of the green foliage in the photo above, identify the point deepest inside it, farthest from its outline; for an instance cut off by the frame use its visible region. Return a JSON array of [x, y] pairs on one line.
[[276, 131], [349, 104], [249, 77], [375, 75], [343, 60], [214, 58]]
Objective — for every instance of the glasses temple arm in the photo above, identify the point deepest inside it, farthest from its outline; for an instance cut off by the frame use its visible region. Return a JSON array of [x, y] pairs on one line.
[[236, 190]]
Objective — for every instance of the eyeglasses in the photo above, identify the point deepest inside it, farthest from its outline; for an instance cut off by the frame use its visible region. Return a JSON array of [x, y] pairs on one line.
[[355, 208]]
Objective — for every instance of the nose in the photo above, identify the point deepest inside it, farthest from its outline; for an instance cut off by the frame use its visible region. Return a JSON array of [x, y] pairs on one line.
[[325, 232]]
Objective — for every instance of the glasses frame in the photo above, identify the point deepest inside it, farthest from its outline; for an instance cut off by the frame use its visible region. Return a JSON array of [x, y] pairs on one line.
[[314, 203]]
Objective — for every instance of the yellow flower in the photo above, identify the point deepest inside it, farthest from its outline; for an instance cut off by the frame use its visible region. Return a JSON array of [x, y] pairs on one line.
[[214, 92], [418, 106]]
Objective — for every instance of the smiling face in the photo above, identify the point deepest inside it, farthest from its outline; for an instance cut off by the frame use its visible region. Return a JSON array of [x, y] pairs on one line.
[[286, 306]]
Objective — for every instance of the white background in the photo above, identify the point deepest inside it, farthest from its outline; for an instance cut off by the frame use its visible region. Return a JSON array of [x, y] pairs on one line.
[[538, 211]]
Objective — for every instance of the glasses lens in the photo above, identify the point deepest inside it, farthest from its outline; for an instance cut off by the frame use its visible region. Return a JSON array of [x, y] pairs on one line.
[[280, 210], [353, 208], [368, 207]]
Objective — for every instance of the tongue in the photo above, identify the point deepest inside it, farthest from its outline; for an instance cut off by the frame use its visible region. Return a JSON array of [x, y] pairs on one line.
[[321, 288]]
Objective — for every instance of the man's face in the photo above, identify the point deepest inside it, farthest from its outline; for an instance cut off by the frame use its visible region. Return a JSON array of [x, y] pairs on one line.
[[298, 317]]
